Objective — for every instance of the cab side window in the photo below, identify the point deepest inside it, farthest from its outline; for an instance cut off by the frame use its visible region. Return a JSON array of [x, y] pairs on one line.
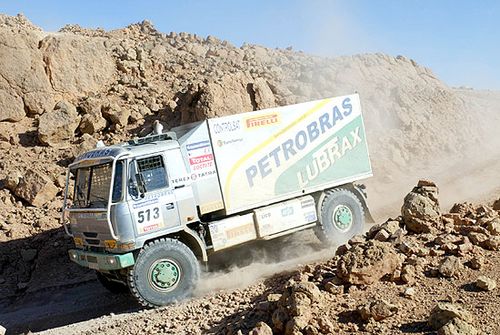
[[153, 172]]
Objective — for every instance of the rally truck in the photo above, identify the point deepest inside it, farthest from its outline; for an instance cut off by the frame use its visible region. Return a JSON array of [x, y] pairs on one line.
[[147, 214]]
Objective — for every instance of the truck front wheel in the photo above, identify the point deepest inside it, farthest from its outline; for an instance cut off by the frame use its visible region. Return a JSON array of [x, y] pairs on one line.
[[165, 271], [341, 217]]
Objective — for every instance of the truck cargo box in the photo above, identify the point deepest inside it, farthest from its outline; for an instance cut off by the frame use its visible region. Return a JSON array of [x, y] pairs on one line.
[[279, 153]]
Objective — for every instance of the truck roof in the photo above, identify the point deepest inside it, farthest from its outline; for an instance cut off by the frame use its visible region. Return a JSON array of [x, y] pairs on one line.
[[132, 148]]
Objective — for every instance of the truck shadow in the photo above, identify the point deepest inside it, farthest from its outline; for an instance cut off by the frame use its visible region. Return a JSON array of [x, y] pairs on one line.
[[40, 288]]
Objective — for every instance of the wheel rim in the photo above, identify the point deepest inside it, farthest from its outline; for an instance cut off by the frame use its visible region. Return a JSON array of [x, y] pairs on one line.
[[164, 275], [342, 218]]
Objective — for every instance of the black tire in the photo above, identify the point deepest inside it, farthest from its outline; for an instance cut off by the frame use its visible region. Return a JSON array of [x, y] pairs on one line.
[[111, 285], [153, 288], [336, 202]]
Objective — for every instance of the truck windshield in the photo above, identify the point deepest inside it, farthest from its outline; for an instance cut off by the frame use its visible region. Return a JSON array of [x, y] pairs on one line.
[[93, 184]]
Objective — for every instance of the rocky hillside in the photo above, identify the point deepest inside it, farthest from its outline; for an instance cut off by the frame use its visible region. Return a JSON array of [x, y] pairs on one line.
[[61, 92]]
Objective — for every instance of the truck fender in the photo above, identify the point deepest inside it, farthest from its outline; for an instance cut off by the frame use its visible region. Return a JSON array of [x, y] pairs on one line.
[[194, 242], [359, 191]]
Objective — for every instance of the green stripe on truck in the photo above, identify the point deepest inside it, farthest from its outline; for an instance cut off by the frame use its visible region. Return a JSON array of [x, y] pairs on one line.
[[101, 261], [342, 155]]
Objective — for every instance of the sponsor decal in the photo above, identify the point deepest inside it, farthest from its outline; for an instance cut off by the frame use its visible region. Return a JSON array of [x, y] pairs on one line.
[[98, 154], [194, 176], [307, 202], [197, 145], [202, 166], [220, 143], [327, 155], [226, 126], [201, 159], [150, 227], [261, 121], [310, 217], [145, 203], [302, 140], [92, 216], [148, 219], [287, 211], [240, 231]]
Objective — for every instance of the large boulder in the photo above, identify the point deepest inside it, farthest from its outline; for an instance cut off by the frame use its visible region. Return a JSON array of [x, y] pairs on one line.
[[77, 64], [38, 102], [232, 94], [36, 188], [58, 125], [421, 212], [92, 119], [12, 108], [366, 263], [24, 82], [116, 114]]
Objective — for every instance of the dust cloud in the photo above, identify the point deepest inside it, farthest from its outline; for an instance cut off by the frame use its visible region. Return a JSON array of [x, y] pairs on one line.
[[241, 267], [464, 172], [417, 128]]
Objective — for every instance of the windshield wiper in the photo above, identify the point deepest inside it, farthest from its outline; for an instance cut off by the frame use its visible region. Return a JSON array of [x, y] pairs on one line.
[[98, 199]]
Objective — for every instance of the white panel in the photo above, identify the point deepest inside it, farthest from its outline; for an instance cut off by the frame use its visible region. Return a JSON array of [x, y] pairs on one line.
[[201, 173], [232, 231], [286, 215], [261, 156]]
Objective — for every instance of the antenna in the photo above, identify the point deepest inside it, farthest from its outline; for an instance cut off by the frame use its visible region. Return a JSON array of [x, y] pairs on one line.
[[157, 128]]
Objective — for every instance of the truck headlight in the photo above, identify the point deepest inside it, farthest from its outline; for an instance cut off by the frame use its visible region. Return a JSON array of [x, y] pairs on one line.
[[73, 255]]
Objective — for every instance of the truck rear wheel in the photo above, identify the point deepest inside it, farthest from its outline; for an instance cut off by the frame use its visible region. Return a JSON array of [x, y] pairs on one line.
[[165, 271], [341, 217], [111, 285]]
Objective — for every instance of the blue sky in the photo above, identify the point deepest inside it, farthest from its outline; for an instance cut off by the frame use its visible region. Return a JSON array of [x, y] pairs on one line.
[[459, 40]]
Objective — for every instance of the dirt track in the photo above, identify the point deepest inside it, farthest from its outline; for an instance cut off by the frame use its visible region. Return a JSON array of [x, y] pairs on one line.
[[60, 306]]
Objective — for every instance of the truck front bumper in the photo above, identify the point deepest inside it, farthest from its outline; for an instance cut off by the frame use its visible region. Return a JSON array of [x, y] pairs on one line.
[[101, 261]]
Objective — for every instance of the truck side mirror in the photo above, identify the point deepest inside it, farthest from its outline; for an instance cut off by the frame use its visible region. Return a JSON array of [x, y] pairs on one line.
[[140, 184]]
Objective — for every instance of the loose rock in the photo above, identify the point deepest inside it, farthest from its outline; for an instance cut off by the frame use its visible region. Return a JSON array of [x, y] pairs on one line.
[[421, 212], [59, 125], [450, 267], [443, 312], [486, 284], [456, 326], [378, 310], [261, 328], [36, 188], [367, 263]]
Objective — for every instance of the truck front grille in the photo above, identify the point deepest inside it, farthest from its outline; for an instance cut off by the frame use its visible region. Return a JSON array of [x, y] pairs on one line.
[[92, 241], [91, 259]]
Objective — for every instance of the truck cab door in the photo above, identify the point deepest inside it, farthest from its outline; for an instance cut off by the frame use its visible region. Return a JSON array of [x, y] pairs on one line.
[[181, 183], [152, 199]]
